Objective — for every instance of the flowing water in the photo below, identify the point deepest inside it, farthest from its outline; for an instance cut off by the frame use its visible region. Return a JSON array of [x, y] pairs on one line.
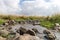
[[38, 27]]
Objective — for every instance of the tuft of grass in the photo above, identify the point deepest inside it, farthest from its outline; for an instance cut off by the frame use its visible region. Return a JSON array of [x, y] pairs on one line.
[[2, 21], [45, 21]]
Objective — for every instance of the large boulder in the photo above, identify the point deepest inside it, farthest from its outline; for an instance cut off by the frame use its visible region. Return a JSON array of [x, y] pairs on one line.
[[57, 24], [57, 27], [11, 36], [46, 32], [49, 35], [31, 32], [28, 37], [35, 30], [1, 28], [1, 38], [5, 24], [21, 30], [9, 28], [11, 22], [4, 33]]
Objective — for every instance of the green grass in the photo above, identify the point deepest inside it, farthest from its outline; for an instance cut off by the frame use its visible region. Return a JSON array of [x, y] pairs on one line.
[[2, 21], [47, 24], [45, 21]]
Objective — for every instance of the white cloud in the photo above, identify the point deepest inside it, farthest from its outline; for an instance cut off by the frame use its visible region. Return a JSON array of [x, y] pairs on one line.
[[41, 7], [29, 7], [9, 6]]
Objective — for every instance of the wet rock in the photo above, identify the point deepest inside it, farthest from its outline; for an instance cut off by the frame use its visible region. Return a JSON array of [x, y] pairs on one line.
[[4, 33], [9, 28], [49, 35], [1, 28], [21, 30], [46, 32], [5, 24], [28, 37], [57, 24], [1, 38], [11, 22], [14, 21], [17, 36], [11, 35], [57, 27], [29, 21], [19, 22], [35, 30], [31, 32], [36, 22]]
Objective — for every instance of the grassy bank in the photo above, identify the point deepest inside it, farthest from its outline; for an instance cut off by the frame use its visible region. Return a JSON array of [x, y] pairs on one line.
[[45, 21]]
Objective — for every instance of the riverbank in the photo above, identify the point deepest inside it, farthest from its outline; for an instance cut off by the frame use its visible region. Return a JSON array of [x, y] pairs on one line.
[[45, 21]]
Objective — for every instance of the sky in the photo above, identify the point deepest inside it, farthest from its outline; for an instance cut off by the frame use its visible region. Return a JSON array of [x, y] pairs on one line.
[[30, 7]]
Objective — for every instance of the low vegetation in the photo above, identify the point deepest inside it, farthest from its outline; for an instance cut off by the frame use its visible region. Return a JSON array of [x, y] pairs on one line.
[[45, 21]]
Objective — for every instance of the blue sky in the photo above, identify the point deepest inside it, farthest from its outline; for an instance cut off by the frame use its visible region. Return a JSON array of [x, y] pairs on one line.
[[29, 7]]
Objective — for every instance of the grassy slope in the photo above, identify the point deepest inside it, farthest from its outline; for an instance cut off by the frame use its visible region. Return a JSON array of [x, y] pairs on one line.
[[47, 22]]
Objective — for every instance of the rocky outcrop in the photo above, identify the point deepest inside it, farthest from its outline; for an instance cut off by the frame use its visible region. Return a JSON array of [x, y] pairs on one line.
[[1, 38], [49, 35], [4, 33], [28, 37], [5, 24], [11, 22], [57, 27], [22, 31], [35, 30], [31, 32]]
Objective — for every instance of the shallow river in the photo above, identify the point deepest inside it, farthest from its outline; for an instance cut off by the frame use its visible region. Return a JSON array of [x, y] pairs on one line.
[[38, 27]]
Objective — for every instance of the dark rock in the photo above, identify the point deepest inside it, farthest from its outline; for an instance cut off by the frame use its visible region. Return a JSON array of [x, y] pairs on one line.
[[46, 32], [31, 32], [35, 30], [2, 38], [19, 22], [57, 27], [9, 28], [49, 35], [5, 24], [17, 38], [21, 30], [11, 22], [29, 37]]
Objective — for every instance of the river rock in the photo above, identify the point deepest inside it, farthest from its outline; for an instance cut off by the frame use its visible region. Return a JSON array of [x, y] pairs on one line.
[[1, 38], [49, 35], [57, 24], [11, 36], [57, 27], [11, 22], [35, 30], [28, 37], [31, 32], [46, 32], [1, 28], [21, 30], [5, 24], [4, 33]]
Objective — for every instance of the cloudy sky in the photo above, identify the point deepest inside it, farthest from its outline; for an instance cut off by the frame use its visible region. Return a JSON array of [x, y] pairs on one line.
[[29, 7]]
